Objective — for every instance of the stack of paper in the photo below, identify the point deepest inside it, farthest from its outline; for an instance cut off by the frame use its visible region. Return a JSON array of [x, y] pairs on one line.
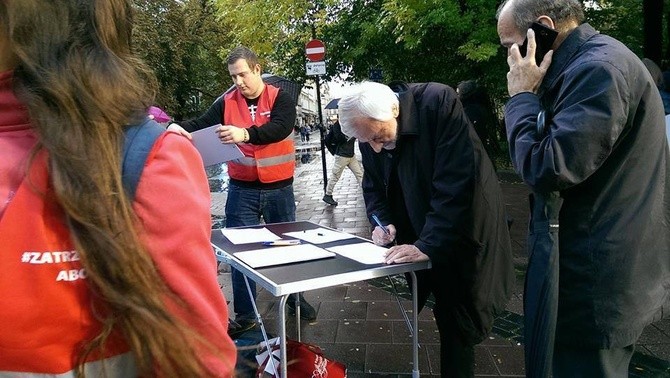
[[270, 256], [249, 235], [211, 149], [319, 235], [364, 253]]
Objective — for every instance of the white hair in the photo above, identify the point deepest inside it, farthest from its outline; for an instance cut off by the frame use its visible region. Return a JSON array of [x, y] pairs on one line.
[[365, 100]]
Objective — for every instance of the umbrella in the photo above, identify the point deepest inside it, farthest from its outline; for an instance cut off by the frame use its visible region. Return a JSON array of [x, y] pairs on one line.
[[287, 85], [158, 114], [333, 103], [540, 301]]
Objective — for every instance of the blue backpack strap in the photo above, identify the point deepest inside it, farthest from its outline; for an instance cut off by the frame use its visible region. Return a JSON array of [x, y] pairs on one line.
[[139, 141]]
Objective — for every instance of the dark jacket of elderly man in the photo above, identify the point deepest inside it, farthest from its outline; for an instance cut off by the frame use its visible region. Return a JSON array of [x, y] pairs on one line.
[[438, 187]]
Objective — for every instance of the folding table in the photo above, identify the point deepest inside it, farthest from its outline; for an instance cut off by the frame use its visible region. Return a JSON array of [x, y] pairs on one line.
[[286, 279]]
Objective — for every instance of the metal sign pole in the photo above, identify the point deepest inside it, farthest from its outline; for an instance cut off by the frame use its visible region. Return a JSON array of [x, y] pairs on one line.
[[322, 127]]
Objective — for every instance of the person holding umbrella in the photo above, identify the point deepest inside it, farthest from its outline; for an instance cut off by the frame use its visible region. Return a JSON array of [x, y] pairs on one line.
[[586, 122]]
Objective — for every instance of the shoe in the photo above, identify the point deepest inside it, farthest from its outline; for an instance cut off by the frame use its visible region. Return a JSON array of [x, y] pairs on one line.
[[239, 326], [307, 312], [329, 200]]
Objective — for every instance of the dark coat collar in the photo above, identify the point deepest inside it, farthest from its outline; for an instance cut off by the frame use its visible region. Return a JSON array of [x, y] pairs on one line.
[[563, 55]]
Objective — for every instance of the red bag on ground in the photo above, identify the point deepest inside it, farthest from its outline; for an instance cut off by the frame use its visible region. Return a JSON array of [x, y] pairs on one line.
[[304, 361]]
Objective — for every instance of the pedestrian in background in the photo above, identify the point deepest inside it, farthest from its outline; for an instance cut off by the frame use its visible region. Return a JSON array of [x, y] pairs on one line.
[[304, 134], [587, 122], [431, 184], [344, 157], [96, 283], [259, 118]]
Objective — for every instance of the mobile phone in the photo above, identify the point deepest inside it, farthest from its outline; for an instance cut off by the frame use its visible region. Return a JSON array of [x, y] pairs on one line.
[[544, 39]]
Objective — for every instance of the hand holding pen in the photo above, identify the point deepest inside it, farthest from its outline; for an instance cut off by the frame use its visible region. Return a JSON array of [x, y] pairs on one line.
[[382, 234]]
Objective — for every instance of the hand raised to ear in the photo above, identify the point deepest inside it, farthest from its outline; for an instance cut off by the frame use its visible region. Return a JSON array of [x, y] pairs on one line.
[[524, 74]]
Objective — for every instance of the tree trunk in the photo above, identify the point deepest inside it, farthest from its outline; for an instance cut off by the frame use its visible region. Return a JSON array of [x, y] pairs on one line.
[[652, 13]]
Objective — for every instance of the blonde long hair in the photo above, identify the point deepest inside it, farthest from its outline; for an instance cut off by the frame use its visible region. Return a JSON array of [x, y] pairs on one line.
[[82, 85]]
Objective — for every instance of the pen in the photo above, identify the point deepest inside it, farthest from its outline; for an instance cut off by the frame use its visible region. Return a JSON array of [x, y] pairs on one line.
[[275, 243], [379, 223]]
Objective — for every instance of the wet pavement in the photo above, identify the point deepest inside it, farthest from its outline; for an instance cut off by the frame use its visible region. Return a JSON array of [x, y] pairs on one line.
[[361, 324]]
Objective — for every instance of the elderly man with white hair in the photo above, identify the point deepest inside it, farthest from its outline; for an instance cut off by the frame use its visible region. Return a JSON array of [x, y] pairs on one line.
[[431, 185]]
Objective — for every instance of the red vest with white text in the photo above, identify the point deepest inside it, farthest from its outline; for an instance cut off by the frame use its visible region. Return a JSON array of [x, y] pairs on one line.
[[267, 163], [46, 302]]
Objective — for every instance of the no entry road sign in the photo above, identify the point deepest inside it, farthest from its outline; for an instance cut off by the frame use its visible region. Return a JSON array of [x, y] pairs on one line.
[[315, 50]]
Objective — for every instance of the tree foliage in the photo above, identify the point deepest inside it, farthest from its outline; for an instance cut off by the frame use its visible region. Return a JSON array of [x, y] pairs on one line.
[[436, 40], [183, 42], [446, 41], [621, 19], [413, 40]]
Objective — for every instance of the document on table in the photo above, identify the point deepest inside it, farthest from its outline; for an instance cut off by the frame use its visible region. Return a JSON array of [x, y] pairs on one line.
[[270, 256], [211, 149], [364, 253], [319, 235], [249, 235]]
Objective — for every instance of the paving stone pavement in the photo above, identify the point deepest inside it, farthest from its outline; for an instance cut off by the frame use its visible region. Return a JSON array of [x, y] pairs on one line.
[[361, 325]]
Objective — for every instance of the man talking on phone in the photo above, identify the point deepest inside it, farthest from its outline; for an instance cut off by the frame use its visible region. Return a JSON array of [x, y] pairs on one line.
[[587, 122]]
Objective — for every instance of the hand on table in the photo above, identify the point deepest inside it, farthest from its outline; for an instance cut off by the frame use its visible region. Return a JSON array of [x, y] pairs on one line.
[[404, 253]]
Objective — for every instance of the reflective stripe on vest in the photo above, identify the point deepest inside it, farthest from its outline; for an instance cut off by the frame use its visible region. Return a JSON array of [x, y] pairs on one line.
[[266, 163], [121, 366]]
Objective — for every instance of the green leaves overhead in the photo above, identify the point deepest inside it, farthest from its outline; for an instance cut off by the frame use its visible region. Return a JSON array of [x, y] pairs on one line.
[[183, 42], [448, 41]]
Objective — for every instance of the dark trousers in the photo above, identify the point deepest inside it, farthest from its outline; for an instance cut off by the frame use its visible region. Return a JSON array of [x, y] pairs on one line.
[[592, 363], [457, 356], [457, 351]]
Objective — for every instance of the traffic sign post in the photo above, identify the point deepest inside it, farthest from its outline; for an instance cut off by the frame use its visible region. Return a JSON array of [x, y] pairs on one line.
[[315, 50]]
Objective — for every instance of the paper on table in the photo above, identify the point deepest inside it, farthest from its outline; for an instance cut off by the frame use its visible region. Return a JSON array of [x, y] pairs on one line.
[[319, 235], [211, 149], [270, 256], [364, 253], [249, 235]]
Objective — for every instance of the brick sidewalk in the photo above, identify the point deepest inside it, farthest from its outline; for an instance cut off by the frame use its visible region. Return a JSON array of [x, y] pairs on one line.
[[361, 325]]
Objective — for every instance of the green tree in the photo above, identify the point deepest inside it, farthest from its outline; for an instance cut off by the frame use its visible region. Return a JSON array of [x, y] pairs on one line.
[[183, 41], [412, 40], [273, 29]]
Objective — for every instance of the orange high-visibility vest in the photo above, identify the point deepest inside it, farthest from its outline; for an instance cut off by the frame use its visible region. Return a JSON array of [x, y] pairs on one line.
[[267, 163], [46, 301]]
